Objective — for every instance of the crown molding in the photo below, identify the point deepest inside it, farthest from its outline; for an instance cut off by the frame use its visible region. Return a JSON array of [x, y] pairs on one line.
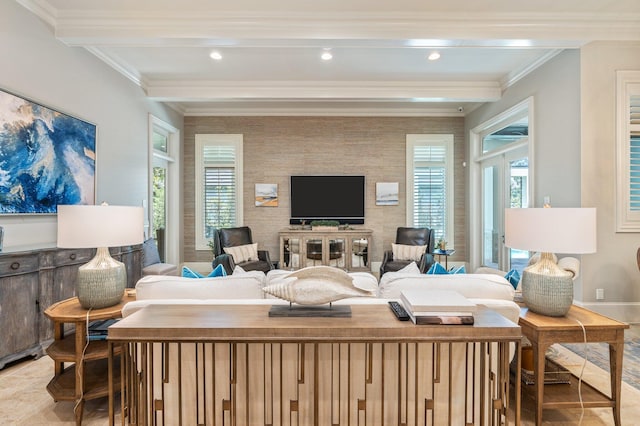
[[118, 65], [136, 26], [415, 91], [514, 77], [270, 111], [42, 9]]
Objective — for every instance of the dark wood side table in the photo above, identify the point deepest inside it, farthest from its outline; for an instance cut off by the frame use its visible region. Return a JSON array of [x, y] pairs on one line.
[[446, 254], [86, 376], [543, 331]]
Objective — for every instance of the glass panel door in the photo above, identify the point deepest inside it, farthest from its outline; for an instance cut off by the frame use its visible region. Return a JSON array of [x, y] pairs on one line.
[[313, 252], [518, 169], [291, 255], [505, 184], [337, 255], [491, 212], [359, 252], [159, 205]]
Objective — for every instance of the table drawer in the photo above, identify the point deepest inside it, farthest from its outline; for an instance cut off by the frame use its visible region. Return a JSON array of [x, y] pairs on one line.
[[73, 256], [17, 265]]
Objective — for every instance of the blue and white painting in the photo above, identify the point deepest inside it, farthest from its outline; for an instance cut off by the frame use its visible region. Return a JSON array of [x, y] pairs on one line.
[[46, 158]]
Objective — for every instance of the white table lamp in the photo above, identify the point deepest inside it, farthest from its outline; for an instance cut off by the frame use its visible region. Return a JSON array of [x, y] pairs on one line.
[[546, 288], [101, 281]]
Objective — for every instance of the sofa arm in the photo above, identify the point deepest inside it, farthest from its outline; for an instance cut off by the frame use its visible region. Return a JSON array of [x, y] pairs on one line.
[[386, 257], [264, 256], [425, 262], [226, 260]]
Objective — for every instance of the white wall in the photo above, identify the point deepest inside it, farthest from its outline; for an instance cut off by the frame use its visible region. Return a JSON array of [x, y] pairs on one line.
[[613, 268], [555, 88], [35, 65]]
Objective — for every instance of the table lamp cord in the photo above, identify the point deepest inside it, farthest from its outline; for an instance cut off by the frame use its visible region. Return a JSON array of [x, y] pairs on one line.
[[84, 350], [584, 364]]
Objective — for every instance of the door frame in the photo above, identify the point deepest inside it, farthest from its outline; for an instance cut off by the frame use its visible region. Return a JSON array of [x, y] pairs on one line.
[[173, 201], [476, 134]]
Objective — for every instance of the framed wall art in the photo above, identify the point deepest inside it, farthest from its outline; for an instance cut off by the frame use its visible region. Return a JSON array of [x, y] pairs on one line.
[[46, 157], [266, 194], [386, 193]]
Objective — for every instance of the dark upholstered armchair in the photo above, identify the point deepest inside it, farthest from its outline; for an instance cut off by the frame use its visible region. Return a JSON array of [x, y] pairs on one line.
[[235, 237], [410, 237]]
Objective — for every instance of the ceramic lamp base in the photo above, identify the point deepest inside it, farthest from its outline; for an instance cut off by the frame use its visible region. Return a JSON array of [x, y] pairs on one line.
[[546, 288], [101, 281]]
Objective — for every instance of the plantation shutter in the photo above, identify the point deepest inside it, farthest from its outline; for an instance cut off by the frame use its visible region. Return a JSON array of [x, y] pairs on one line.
[[219, 187], [430, 188], [634, 153]]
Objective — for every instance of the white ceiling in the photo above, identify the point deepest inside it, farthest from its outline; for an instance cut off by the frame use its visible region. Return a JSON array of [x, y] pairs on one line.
[[271, 49]]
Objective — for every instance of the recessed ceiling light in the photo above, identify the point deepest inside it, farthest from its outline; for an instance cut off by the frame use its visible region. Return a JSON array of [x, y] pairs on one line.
[[326, 55], [433, 56], [215, 55]]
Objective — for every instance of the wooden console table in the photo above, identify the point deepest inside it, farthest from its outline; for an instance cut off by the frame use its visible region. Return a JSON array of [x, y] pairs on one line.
[[543, 331], [85, 378], [344, 248], [233, 364]]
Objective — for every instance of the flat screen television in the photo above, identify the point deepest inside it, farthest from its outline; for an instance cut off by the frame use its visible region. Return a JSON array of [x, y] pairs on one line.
[[338, 198]]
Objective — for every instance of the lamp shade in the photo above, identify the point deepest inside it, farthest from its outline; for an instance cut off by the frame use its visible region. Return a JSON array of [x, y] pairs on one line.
[[552, 230], [81, 226]]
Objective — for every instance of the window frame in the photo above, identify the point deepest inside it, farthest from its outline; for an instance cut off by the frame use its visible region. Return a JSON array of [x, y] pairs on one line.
[[446, 140], [201, 141], [627, 85]]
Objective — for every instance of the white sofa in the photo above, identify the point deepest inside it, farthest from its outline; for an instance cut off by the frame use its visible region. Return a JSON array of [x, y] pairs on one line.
[[490, 290], [238, 288], [280, 364]]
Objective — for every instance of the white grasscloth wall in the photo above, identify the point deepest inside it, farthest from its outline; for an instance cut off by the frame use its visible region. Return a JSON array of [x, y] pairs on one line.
[[278, 147]]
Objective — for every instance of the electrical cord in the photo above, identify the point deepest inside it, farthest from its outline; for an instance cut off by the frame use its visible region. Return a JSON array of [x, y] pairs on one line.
[[584, 364], [84, 350]]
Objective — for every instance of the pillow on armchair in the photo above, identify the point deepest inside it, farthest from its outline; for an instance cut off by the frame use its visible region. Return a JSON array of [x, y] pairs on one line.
[[150, 255], [151, 263]]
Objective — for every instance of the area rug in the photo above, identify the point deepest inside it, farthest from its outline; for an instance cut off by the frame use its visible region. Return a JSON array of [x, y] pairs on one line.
[[598, 354]]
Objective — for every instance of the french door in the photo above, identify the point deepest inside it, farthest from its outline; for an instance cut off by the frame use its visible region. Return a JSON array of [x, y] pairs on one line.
[[164, 188], [505, 184]]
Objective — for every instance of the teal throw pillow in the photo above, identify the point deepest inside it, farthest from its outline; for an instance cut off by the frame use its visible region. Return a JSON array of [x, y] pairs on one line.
[[513, 277], [437, 269], [218, 271], [458, 270], [188, 273]]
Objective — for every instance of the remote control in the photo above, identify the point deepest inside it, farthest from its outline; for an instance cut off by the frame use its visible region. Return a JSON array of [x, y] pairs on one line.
[[399, 311]]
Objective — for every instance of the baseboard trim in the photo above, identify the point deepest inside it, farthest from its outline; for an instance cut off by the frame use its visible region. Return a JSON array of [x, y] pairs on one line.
[[626, 312]]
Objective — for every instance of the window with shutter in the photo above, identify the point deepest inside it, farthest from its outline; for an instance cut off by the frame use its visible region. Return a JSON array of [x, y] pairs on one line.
[[634, 152], [218, 185], [430, 184], [628, 151]]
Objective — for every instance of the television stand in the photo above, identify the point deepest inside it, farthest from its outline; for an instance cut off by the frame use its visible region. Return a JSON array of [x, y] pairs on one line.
[[343, 248]]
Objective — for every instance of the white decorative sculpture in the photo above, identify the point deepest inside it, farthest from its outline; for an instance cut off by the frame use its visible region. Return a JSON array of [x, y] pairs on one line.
[[316, 285]]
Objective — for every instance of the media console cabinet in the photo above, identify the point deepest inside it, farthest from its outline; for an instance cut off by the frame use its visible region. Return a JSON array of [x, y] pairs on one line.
[[236, 365], [343, 248]]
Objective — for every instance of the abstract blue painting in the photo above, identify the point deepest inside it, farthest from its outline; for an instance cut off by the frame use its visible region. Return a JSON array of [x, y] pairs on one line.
[[46, 158]]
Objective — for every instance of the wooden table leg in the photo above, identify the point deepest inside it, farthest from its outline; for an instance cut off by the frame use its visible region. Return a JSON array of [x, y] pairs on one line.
[[538, 367], [518, 381], [79, 409], [110, 383], [81, 337], [616, 352]]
